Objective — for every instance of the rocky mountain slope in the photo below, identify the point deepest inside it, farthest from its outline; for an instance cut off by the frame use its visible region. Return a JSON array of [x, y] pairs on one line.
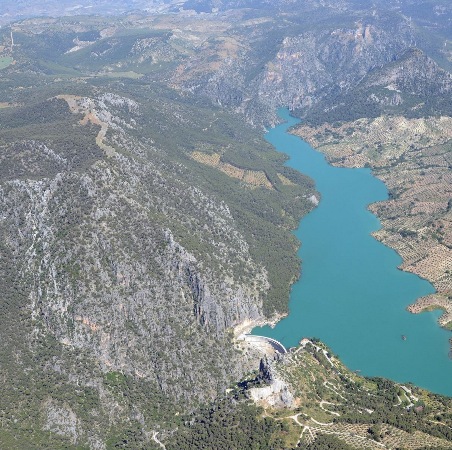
[[412, 85], [126, 263], [143, 217]]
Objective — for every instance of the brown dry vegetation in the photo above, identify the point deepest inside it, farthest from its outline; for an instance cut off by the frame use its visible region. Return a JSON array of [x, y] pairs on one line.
[[284, 180], [253, 178]]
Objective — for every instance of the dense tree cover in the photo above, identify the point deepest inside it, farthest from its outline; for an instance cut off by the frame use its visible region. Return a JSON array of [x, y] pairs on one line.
[[47, 380], [228, 425], [44, 112], [326, 442], [33, 145], [384, 410]]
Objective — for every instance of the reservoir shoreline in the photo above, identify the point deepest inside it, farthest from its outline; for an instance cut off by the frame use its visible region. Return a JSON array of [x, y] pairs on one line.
[[352, 294]]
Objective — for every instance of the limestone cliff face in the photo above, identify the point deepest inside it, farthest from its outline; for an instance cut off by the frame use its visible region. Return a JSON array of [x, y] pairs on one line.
[[124, 262], [415, 74], [412, 85], [274, 391], [313, 64], [298, 67], [306, 67], [105, 273]]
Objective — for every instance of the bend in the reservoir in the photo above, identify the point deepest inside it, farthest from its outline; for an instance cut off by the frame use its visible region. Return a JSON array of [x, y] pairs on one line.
[[351, 293]]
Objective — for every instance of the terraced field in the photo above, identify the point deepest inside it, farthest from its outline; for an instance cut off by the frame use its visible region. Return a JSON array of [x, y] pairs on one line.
[[328, 399], [252, 178], [413, 157]]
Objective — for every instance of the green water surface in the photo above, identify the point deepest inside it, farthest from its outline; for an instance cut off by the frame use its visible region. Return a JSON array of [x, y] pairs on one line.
[[351, 294]]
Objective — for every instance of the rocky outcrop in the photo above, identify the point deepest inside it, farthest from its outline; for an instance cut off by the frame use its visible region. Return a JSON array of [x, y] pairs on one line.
[[118, 283], [124, 261], [300, 69], [128, 272], [274, 391]]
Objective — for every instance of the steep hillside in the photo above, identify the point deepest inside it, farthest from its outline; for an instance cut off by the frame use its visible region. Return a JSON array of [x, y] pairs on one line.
[[307, 399], [412, 85], [126, 262], [143, 216]]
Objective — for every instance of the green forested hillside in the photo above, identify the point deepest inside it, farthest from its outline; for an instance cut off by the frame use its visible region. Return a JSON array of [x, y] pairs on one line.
[[143, 218], [125, 263]]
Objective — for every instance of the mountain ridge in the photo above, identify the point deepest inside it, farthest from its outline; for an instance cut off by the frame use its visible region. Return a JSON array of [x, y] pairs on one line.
[[127, 260]]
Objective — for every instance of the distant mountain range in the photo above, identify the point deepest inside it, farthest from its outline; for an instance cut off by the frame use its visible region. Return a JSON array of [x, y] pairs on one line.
[[145, 222]]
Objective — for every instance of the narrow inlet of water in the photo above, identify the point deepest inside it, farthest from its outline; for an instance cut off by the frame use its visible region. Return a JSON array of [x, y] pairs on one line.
[[351, 294]]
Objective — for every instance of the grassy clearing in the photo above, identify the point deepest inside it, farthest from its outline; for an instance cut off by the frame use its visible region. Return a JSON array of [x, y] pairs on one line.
[[5, 61], [130, 74]]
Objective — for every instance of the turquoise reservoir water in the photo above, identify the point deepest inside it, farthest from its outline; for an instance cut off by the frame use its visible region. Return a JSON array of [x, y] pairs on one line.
[[351, 294]]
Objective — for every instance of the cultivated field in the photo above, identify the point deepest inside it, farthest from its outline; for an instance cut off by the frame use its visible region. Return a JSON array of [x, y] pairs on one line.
[[414, 159]]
